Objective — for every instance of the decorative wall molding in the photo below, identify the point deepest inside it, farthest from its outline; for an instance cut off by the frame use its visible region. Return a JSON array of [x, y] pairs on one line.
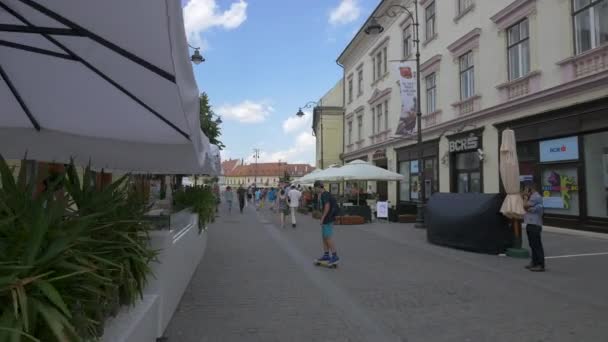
[[465, 43], [527, 84], [380, 45], [424, 2], [467, 106], [431, 65], [378, 95], [513, 13], [585, 64], [431, 119]]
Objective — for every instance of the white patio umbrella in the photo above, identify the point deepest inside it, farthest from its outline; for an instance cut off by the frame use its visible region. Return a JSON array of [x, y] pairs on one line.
[[315, 175], [360, 170], [512, 207], [106, 82]]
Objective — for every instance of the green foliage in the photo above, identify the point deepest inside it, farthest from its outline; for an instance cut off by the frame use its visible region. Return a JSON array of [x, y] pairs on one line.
[[200, 199], [208, 125], [68, 261]]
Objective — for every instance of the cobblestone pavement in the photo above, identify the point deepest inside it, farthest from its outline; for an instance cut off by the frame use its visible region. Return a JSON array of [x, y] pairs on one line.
[[257, 283]]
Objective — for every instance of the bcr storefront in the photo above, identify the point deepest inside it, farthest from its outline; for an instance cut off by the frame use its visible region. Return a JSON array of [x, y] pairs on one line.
[[565, 152]]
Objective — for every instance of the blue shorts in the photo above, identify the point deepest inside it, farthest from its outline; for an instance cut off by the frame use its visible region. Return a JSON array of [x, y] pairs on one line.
[[327, 230]]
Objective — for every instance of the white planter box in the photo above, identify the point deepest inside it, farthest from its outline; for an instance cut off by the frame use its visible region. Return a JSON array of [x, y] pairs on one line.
[[182, 249]]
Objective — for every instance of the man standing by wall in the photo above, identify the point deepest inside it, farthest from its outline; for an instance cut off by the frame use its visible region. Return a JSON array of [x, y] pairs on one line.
[[294, 202]]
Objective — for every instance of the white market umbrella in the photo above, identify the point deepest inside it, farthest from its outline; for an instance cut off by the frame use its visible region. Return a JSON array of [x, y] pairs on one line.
[[307, 178], [512, 207], [361, 170], [106, 82]]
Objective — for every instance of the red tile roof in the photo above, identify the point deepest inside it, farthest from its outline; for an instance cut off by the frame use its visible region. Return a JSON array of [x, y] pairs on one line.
[[229, 165]]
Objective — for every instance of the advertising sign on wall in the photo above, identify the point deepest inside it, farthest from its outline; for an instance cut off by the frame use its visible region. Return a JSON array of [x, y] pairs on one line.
[[559, 149]]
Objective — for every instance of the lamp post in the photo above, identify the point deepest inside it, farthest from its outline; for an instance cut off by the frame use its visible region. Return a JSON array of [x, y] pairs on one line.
[[256, 156], [196, 57], [309, 104], [374, 28]]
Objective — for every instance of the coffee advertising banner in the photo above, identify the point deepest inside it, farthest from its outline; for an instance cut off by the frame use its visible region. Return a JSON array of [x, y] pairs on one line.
[[407, 75]]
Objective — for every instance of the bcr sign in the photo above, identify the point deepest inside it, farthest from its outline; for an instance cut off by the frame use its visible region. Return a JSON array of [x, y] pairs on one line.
[[465, 144]]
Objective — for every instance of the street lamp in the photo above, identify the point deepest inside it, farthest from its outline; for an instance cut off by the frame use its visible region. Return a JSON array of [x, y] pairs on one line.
[[309, 104], [196, 57], [374, 28]]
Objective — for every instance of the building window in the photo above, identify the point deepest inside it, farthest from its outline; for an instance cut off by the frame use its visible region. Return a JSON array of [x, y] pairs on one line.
[[430, 21], [596, 173], [360, 82], [379, 64], [431, 93], [590, 24], [407, 42], [518, 49], [379, 116], [350, 132], [385, 58], [350, 90], [360, 128], [374, 69], [467, 76], [404, 186], [464, 5], [386, 114], [373, 119]]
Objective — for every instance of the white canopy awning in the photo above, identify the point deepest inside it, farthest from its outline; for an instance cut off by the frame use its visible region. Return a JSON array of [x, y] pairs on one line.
[[358, 170], [107, 82]]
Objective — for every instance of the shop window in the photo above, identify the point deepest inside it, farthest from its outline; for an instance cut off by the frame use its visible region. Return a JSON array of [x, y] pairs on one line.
[[596, 174], [468, 172], [404, 187], [527, 155], [560, 189]]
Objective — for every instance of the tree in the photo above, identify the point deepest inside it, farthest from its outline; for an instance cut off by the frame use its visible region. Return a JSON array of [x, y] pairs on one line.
[[208, 124]]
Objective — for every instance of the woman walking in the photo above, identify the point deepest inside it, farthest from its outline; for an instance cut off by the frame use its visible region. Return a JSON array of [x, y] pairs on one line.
[[229, 197], [283, 207]]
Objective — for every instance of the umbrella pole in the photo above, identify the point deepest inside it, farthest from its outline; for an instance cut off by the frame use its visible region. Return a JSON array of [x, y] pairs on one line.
[[517, 233], [516, 251]]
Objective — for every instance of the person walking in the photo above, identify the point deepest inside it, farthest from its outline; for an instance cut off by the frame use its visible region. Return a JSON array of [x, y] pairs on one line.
[[294, 202], [283, 207], [272, 197], [241, 193], [258, 196], [329, 208], [229, 197], [533, 203]]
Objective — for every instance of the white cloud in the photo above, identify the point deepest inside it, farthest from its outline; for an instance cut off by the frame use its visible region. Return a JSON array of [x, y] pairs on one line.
[[226, 154], [246, 111], [302, 151], [295, 123], [201, 15], [346, 12]]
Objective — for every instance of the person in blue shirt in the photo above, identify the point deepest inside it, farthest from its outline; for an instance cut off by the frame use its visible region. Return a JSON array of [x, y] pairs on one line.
[[272, 196], [533, 203], [329, 208]]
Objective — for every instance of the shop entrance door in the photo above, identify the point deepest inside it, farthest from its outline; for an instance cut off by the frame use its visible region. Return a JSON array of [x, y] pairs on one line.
[[382, 186]]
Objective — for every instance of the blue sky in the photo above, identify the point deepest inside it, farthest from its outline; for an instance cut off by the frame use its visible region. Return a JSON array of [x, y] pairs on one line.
[[266, 58]]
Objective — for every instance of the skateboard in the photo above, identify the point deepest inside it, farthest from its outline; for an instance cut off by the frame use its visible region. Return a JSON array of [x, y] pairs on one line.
[[318, 262]]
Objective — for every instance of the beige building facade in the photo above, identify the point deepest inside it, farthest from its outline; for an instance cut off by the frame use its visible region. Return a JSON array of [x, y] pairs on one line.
[[327, 125], [539, 67]]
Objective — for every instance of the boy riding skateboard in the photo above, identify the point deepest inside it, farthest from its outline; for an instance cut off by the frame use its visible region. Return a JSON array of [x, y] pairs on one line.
[[329, 209]]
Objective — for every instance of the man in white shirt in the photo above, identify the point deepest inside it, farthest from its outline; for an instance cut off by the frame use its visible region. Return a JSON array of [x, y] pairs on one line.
[[294, 202]]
